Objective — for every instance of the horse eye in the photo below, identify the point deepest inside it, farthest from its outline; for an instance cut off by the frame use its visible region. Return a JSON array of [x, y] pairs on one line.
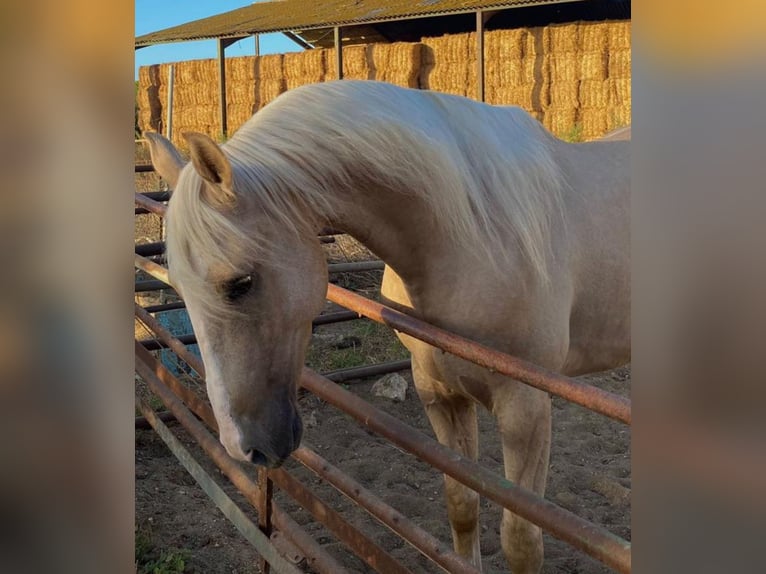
[[237, 288]]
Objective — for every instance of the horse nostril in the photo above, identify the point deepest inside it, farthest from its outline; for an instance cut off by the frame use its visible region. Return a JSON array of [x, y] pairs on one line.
[[257, 457]]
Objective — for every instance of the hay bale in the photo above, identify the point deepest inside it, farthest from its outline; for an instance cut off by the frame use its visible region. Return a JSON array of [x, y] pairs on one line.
[[531, 97], [240, 69], [618, 116], [593, 36], [594, 65], [454, 67], [565, 94], [594, 123], [564, 38], [537, 42], [622, 92], [307, 67], [241, 93], [397, 63], [560, 121], [269, 67], [268, 90], [356, 64], [502, 45], [596, 94], [619, 64], [619, 36], [564, 67], [237, 115]]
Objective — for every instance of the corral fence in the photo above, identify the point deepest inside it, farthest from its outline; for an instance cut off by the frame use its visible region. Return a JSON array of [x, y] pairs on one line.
[[277, 537]]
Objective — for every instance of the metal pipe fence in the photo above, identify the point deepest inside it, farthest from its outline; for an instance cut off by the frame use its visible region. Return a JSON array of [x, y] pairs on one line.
[[590, 538]]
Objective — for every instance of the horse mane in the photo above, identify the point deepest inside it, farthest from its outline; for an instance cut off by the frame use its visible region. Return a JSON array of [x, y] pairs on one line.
[[483, 170]]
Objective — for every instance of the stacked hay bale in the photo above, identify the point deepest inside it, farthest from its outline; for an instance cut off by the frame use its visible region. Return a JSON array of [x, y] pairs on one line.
[[595, 86], [150, 106], [240, 91], [195, 98], [619, 70], [269, 79], [449, 64], [397, 63], [516, 69], [356, 63], [560, 116], [307, 67]]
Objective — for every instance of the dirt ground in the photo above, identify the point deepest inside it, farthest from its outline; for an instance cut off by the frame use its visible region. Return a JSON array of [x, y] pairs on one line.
[[589, 475]]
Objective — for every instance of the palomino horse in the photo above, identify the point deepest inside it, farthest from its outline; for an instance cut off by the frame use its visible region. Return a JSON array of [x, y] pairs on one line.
[[490, 228]]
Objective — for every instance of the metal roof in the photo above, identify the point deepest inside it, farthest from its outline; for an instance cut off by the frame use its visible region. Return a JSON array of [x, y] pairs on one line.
[[301, 15]]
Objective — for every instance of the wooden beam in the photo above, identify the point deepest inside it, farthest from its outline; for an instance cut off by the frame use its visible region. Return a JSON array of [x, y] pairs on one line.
[[339, 51], [480, 55], [298, 40], [222, 86]]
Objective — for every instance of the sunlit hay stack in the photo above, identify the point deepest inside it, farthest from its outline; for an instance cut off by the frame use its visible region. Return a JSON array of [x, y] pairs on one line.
[[449, 64], [536, 66], [561, 122], [619, 110], [307, 67], [503, 69], [397, 63], [594, 65], [356, 64], [240, 91], [269, 79], [593, 36]]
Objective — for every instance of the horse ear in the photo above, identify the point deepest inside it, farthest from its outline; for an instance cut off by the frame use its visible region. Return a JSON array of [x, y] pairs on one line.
[[213, 166], [165, 157]]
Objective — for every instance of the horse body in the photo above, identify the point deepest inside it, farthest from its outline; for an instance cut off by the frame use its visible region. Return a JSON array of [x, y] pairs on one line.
[[489, 227]]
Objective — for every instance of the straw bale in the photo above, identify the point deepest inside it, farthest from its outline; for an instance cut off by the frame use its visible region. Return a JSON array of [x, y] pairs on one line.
[[593, 122], [238, 114], [564, 38], [564, 67], [241, 93], [397, 63], [619, 35], [304, 68], [593, 65], [596, 94], [531, 97], [560, 121], [269, 68], [268, 90], [619, 64], [537, 41], [240, 69], [506, 73], [501, 45], [565, 94], [594, 36], [618, 116], [622, 91], [356, 64]]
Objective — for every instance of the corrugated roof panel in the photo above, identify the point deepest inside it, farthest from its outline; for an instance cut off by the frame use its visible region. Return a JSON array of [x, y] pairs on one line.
[[287, 15]]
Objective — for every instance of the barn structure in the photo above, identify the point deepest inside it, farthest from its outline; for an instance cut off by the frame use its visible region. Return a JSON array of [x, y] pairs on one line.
[[566, 62]]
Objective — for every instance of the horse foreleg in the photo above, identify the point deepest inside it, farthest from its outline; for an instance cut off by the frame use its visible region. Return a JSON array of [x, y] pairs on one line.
[[525, 426], [453, 419]]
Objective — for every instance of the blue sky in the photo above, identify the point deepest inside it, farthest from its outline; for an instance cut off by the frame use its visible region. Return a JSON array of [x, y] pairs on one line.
[[153, 15]]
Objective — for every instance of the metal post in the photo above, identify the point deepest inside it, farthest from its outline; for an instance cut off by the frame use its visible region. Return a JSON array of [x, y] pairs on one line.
[[339, 52], [171, 78], [480, 55], [222, 85], [257, 38]]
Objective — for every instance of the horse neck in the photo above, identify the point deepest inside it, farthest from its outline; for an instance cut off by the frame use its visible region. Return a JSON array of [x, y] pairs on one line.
[[398, 228]]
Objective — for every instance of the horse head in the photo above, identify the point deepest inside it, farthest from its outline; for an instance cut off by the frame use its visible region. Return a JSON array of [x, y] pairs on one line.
[[251, 287]]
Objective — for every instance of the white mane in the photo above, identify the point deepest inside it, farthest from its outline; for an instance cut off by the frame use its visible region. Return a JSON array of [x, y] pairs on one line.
[[482, 169]]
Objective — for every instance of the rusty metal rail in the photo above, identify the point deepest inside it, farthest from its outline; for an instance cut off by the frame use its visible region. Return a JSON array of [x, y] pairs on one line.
[[590, 538], [157, 378], [593, 398]]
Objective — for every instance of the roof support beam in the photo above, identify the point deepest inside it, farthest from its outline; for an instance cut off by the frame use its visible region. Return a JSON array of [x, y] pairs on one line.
[[339, 51], [222, 86], [480, 55], [298, 40], [257, 38]]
